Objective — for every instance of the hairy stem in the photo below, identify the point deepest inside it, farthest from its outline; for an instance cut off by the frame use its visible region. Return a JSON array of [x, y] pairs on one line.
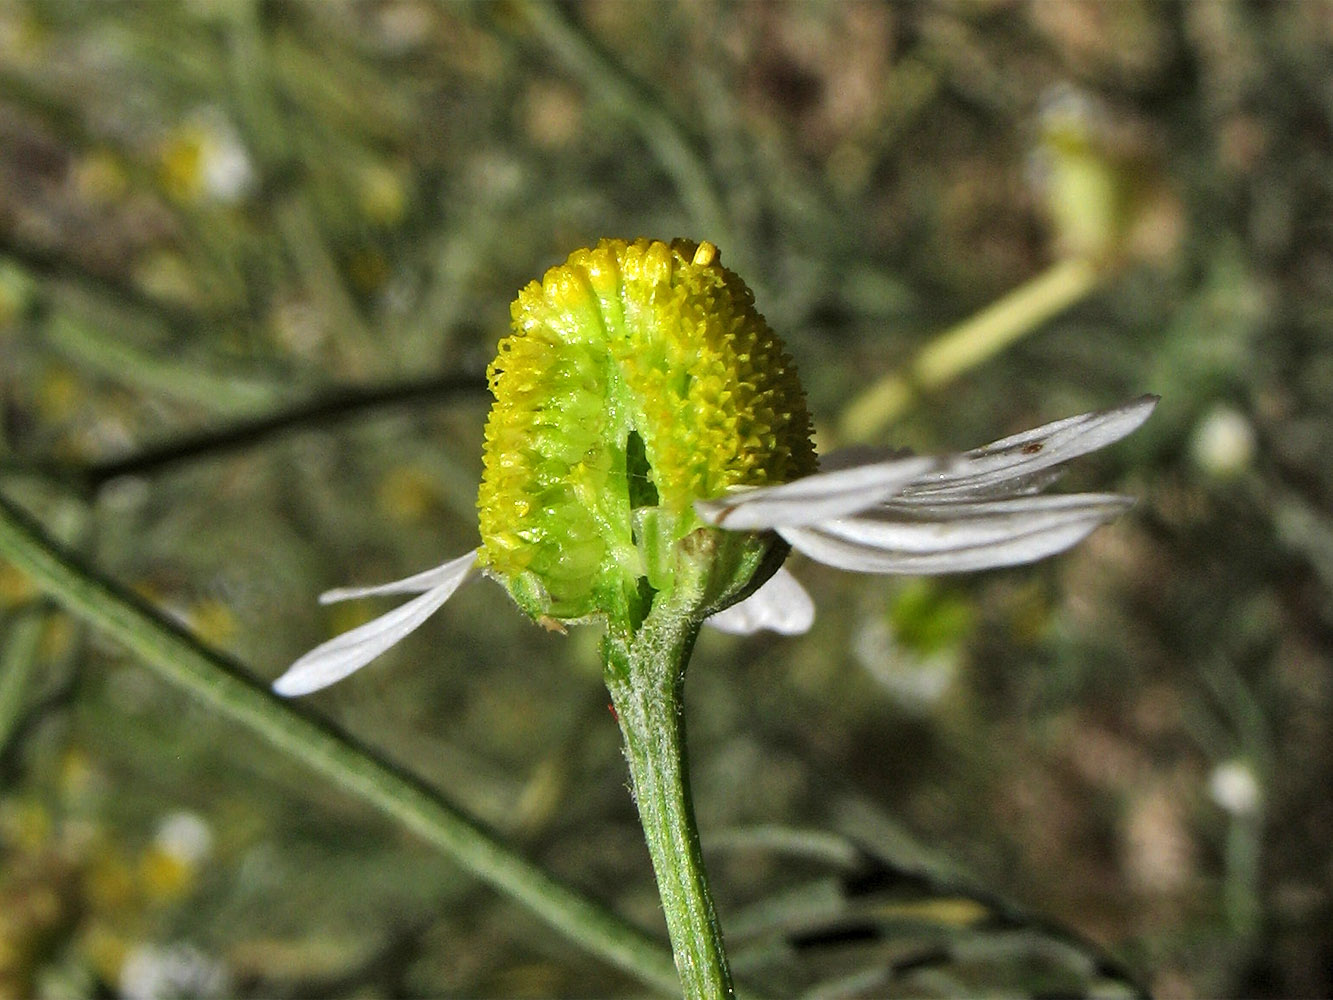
[[645, 675]]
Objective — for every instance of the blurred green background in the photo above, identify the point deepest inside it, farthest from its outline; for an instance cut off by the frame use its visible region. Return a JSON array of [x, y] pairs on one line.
[[217, 212]]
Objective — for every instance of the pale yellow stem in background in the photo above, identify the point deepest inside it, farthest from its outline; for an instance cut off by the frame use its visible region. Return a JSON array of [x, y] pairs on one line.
[[969, 344]]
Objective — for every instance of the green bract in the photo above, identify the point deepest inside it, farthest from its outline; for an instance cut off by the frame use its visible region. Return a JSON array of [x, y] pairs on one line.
[[639, 378]]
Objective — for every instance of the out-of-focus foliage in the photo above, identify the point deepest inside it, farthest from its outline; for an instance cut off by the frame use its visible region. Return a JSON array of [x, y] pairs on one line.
[[217, 211]]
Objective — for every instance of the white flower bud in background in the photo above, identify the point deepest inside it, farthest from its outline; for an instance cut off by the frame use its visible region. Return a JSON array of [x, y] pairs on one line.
[[227, 172], [1234, 787], [1223, 444]]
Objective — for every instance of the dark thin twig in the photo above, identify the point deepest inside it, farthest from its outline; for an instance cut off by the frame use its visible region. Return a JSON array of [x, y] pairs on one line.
[[66, 669], [881, 876], [339, 405]]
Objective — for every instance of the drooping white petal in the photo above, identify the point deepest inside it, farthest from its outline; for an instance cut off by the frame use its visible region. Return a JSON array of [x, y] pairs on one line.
[[781, 605], [925, 527], [349, 652], [815, 498], [910, 536], [1025, 462], [418, 583]]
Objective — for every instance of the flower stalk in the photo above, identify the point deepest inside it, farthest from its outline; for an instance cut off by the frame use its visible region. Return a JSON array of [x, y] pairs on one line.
[[643, 662], [645, 673]]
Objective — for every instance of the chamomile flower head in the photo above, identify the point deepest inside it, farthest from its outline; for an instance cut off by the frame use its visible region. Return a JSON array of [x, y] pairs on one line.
[[638, 375], [649, 447]]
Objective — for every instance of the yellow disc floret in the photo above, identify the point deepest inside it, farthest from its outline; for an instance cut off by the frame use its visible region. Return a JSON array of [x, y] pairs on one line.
[[637, 375]]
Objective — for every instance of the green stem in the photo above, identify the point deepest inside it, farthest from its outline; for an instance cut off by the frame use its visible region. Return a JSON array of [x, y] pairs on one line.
[[179, 658], [19, 660], [78, 334], [1244, 847], [645, 674]]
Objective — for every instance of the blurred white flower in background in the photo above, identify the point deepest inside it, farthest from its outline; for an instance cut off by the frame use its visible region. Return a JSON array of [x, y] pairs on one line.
[[203, 159], [185, 836], [916, 682], [172, 972]]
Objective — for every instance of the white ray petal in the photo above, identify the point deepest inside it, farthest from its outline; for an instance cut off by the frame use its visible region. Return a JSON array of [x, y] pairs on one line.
[[349, 652], [781, 605], [955, 538], [914, 526], [949, 465], [418, 583], [815, 498], [1025, 462]]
